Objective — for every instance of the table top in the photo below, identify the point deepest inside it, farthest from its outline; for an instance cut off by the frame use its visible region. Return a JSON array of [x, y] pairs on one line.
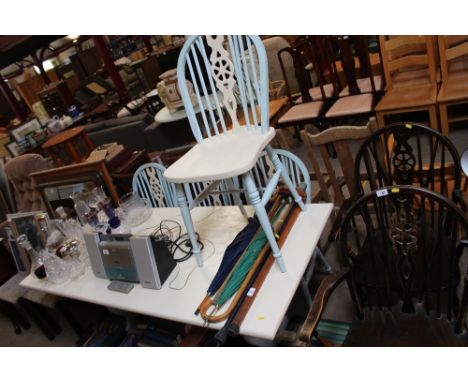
[[187, 285], [63, 136]]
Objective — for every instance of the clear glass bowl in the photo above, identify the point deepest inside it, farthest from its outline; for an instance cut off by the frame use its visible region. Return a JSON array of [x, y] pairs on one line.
[[135, 210]]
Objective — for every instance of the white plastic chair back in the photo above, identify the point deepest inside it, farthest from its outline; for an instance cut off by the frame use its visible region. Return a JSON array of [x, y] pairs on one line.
[[149, 183], [227, 73]]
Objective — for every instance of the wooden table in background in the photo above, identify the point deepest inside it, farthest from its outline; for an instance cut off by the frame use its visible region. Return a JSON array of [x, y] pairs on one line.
[[122, 175], [68, 140]]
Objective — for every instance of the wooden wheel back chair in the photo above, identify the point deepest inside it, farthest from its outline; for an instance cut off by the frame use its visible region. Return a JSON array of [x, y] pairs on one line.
[[413, 154], [404, 269], [237, 76], [410, 76], [453, 55]]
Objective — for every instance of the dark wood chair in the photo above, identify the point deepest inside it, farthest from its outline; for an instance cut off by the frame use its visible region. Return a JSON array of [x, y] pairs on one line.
[[359, 79], [321, 63], [404, 269], [410, 153], [357, 97], [309, 106]]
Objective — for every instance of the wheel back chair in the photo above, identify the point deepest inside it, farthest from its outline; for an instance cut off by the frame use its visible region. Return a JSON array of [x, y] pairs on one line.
[[405, 269], [238, 76], [149, 183], [410, 153]]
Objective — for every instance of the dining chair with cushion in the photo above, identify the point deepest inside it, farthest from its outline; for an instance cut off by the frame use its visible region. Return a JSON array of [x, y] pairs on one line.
[[357, 98], [360, 80], [308, 108]]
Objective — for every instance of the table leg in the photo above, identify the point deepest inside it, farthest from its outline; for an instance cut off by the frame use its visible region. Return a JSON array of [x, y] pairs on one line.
[[88, 141], [55, 157], [109, 184], [73, 153]]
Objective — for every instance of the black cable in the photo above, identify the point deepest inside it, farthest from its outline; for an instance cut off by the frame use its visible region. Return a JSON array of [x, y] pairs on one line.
[[176, 241]]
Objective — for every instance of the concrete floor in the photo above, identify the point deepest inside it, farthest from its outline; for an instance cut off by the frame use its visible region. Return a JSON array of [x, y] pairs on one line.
[[339, 307]]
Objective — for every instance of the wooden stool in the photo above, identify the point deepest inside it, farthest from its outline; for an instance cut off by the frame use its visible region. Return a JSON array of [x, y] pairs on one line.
[[68, 142]]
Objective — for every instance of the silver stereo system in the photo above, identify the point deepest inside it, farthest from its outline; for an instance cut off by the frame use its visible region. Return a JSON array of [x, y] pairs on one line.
[[130, 258]]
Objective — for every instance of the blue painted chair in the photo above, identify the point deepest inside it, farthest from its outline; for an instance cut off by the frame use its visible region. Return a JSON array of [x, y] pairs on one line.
[[234, 73], [149, 183]]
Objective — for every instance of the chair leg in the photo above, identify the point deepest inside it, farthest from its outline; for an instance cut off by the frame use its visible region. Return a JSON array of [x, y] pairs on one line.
[[433, 117], [39, 314], [262, 216], [237, 199], [284, 174], [184, 209], [444, 125], [380, 119], [325, 266]]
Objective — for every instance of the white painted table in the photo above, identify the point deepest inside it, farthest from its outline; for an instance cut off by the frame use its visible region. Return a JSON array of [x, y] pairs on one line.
[[187, 285]]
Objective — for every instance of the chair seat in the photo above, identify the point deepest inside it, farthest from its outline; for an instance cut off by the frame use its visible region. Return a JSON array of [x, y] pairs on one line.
[[353, 105], [220, 157], [385, 328], [454, 89], [316, 93], [364, 85], [408, 97], [302, 112]]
